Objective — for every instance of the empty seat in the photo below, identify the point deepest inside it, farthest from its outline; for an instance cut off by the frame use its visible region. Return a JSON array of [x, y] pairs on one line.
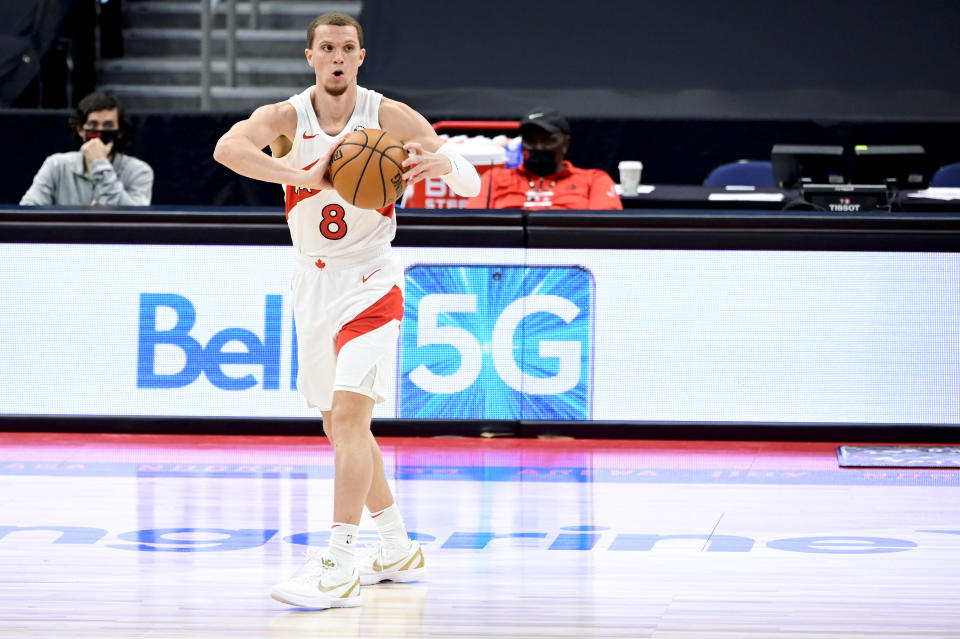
[[742, 173], [947, 175]]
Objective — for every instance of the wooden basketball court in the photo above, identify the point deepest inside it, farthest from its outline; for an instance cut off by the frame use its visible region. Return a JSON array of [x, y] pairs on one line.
[[181, 536]]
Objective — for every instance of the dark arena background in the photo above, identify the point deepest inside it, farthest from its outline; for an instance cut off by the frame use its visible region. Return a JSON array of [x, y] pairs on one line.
[[731, 409]]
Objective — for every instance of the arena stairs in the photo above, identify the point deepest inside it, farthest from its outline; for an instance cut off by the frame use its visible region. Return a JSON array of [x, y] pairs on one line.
[[161, 66]]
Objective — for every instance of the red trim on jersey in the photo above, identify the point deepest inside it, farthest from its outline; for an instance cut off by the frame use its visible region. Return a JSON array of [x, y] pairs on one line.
[[297, 194], [388, 307]]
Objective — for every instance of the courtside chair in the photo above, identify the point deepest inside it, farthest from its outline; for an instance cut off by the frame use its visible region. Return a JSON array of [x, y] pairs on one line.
[[947, 175], [742, 173]]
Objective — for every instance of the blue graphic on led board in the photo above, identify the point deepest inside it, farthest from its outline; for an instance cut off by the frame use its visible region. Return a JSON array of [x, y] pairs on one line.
[[496, 342]]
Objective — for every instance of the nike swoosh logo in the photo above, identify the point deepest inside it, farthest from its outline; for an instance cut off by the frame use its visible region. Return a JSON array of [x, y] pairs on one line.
[[378, 567], [369, 276], [307, 137], [323, 588]]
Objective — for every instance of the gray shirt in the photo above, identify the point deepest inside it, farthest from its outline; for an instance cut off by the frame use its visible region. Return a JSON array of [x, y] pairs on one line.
[[62, 180]]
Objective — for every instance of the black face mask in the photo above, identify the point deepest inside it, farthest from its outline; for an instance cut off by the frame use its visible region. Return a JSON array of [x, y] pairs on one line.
[[107, 135], [541, 161]]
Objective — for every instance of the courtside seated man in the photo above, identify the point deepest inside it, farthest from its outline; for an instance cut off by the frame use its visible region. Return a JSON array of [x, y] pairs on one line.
[[347, 292], [100, 173], [545, 180]]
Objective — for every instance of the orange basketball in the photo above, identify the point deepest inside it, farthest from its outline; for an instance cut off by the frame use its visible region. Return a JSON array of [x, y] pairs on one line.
[[365, 169]]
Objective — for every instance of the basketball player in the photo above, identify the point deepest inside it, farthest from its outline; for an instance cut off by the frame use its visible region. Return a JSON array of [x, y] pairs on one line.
[[347, 292]]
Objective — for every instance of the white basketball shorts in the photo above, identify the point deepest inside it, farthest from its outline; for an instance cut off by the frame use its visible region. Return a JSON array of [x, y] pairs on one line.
[[347, 312]]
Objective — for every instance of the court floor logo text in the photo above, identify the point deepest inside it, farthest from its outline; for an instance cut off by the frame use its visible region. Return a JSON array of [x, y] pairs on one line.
[[582, 538]]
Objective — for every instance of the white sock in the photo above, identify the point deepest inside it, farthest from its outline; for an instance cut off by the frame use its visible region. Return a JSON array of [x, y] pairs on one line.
[[342, 540], [390, 525]]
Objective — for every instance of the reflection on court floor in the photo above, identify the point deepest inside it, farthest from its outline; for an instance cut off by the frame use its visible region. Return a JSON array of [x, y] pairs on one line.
[[181, 536]]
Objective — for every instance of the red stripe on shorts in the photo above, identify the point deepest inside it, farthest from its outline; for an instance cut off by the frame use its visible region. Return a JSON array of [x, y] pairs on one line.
[[388, 307]]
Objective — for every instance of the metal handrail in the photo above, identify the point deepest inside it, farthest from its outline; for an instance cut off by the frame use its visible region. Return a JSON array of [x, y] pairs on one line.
[[205, 39], [208, 9], [231, 45], [254, 14]]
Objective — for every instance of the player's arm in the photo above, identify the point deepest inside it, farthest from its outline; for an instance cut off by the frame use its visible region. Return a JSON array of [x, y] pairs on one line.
[[275, 125], [482, 199], [429, 155]]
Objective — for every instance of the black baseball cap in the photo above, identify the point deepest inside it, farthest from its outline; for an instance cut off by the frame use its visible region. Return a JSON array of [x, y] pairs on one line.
[[546, 120]]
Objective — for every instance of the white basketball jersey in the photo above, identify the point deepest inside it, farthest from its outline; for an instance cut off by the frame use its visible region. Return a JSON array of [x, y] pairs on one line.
[[323, 224]]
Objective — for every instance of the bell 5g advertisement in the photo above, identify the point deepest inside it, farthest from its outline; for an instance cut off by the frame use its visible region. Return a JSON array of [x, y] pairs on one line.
[[496, 342], [495, 333]]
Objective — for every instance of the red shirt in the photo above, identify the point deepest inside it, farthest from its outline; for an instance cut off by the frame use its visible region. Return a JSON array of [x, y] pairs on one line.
[[571, 188]]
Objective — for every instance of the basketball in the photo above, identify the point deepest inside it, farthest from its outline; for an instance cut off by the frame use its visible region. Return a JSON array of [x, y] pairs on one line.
[[365, 169]]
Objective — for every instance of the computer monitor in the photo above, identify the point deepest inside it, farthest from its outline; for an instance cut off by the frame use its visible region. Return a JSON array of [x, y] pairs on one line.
[[796, 164], [900, 166]]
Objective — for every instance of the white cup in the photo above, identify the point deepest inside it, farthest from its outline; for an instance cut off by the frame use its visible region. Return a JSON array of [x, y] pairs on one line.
[[630, 176]]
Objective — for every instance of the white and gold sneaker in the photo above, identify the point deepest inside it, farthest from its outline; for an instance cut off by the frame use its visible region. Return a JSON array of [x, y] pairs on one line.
[[387, 562], [320, 584]]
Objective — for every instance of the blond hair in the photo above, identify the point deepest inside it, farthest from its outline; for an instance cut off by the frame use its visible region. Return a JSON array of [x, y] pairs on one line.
[[334, 19]]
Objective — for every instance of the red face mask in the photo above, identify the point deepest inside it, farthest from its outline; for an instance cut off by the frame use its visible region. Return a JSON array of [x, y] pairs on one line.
[[107, 135]]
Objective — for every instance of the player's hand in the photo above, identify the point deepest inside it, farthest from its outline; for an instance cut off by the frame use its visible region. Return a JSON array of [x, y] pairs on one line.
[[94, 149], [317, 176], [422, 164]]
